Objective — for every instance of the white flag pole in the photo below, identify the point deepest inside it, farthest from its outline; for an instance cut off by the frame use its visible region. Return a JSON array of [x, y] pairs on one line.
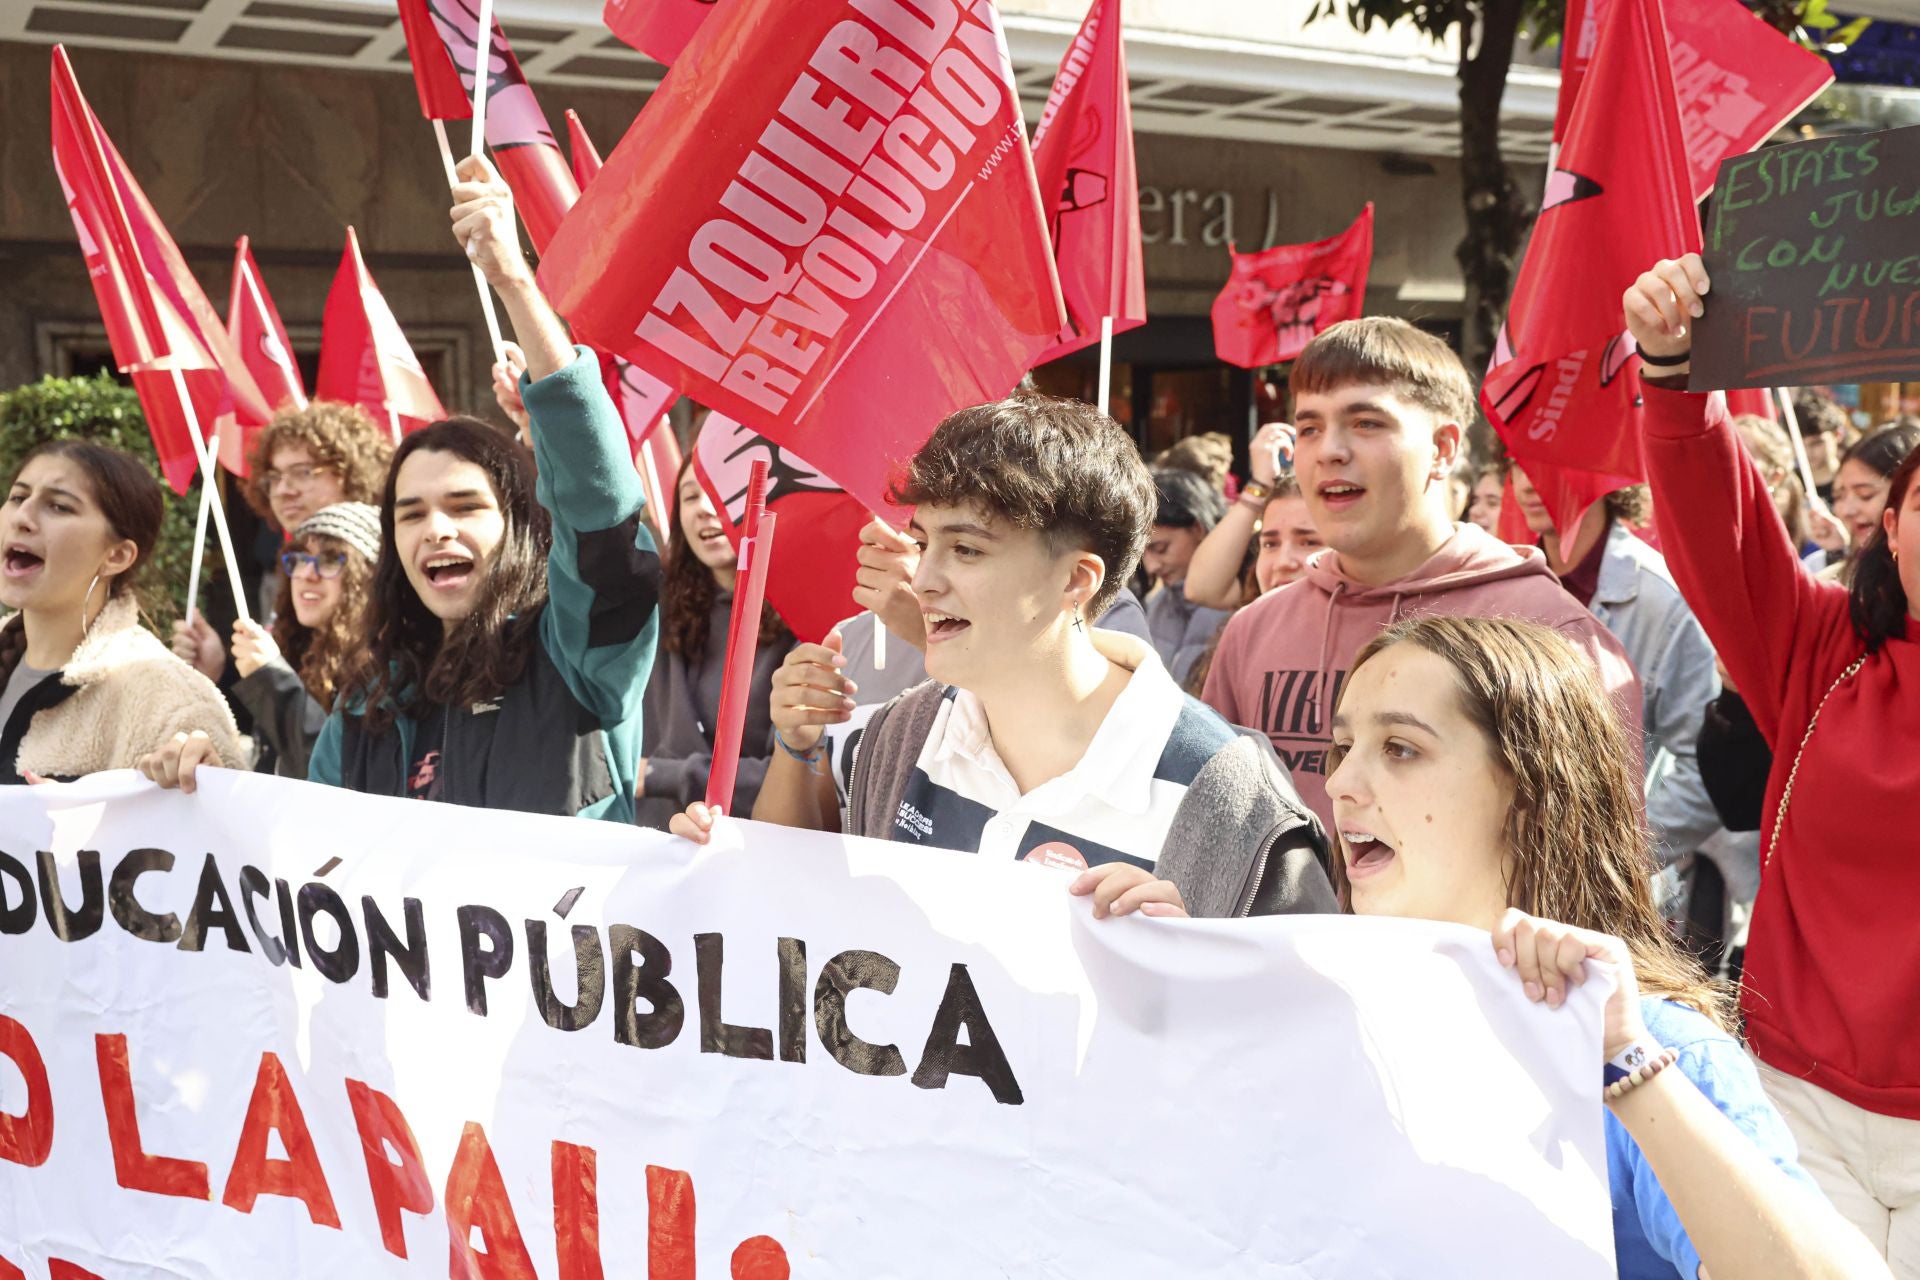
[[1792, 421], [879, 644], [1106, 360], [200, 536], [393, 423], [482, 74], [210, 478], [479, 280]]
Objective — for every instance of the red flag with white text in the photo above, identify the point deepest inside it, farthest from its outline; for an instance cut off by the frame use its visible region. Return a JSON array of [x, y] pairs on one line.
[[1736, 79], [364, 357], [157, 318], [1083, 158], [661, 29], [1277, 299], [253, 325], [1564, 391], [812, 576], [643, 400], [835, 258], [443, 43]]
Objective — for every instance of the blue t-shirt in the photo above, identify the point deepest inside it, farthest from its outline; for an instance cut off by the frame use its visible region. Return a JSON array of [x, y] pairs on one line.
[[1648, 1241]]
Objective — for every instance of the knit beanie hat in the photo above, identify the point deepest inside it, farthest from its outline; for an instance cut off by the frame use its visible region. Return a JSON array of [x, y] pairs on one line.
[[355, 523]]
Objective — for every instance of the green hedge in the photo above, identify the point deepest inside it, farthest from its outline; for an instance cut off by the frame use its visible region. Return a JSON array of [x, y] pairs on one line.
[[103, 410]]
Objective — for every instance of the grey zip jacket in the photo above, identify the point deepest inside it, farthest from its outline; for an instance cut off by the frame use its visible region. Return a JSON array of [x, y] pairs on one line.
[[1242, 842]]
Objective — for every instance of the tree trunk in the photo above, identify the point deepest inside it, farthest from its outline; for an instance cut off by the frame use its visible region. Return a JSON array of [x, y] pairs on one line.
[[1497, 211]]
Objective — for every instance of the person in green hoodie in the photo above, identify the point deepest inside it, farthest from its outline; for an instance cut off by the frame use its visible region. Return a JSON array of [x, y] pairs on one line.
[[514, 617]]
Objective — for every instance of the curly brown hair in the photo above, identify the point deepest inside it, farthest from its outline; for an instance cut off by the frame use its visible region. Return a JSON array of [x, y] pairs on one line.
[[1578, 845], [343, 437], [688, 587], [326, 657]]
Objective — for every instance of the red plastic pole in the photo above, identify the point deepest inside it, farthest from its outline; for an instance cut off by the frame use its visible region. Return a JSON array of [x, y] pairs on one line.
[[750, 593]]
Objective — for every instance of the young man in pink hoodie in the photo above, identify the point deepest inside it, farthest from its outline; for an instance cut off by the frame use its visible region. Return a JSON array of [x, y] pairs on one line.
[[1380, 409]]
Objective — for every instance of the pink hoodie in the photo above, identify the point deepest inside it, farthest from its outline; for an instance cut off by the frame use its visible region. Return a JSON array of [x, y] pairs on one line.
[[1282, 651]]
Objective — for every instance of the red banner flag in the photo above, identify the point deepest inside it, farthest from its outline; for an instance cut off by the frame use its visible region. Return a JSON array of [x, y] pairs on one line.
[[826, 226], [583, 155], [443, 43], [253, 324], [1277, 299], [1563, 392], [813, 570], [364, 357], [1083, 158], [661, 29], [157, 318], [1736, 78]]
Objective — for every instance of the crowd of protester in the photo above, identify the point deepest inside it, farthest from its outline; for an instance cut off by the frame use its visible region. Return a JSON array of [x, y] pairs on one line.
[[1342, 691]]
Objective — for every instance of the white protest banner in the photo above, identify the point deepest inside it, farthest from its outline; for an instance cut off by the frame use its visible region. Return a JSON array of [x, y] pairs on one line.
[[275, 1030]]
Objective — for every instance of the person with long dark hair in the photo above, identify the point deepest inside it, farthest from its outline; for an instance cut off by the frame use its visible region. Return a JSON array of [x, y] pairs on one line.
[[291, 674], [83, 686], [1830, 675], [512, 623], [683, 699]]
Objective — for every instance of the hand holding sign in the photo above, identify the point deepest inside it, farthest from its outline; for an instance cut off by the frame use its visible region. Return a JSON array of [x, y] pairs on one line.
[[1662, 305]]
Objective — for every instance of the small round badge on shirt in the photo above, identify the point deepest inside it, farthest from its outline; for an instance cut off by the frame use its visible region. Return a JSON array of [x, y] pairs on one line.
[[1056, 854]]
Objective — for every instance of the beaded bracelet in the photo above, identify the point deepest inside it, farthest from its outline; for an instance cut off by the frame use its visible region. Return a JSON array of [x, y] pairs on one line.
[[1647, 1071]]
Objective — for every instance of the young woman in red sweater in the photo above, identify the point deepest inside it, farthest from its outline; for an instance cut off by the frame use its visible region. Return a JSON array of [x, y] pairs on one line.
[[1833, 957]]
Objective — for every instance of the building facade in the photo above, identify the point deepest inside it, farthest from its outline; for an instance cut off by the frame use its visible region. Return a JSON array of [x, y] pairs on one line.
[[288, 120]]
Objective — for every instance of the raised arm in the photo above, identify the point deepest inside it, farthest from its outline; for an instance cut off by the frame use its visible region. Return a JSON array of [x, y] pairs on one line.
[[603, 573], [1213, 575], [1723, 539]]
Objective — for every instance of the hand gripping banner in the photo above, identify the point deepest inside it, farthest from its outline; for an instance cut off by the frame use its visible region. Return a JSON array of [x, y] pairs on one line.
[[275, 1029]]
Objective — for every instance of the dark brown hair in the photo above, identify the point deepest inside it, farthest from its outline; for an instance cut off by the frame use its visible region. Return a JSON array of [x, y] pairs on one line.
[[687, 590], [130, 499], [412, 663], [1389, 352], [1058, 468], [341, 437], [326, 656], [1577, 843], [1878, 602]]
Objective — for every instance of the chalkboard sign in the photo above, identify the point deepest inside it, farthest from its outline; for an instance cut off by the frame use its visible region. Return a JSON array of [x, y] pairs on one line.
[[1814, 253]]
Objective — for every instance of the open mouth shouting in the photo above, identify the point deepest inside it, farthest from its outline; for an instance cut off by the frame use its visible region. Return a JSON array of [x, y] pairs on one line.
[[943, 626], [1338, 495], [1366, 853], [20, 562], [447, 570]]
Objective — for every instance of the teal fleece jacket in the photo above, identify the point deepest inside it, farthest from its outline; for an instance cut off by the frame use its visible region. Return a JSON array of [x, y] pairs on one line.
[[566, 738]]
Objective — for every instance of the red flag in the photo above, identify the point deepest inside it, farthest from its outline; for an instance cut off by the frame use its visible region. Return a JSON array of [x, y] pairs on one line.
[[364, 358], [837, 267], [1277, 299], [1755, 400], [1563, 392], [158, 319], [253, 324], [1736, 78], [812, 573], [443, 43], [1083, 158], [580, 149], [660, 29]]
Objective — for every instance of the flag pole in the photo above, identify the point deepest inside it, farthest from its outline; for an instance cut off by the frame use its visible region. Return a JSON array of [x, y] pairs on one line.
[[482, 74], [200, 535], [1792, 421], [749, 601], [1106, 360], [210, 478], [393, 423], [479, 278]]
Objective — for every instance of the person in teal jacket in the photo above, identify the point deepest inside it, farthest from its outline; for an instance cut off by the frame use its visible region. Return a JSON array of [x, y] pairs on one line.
[[513, 621]]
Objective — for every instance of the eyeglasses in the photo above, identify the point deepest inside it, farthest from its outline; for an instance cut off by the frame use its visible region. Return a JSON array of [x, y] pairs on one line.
[[299, 476], [326, 564]]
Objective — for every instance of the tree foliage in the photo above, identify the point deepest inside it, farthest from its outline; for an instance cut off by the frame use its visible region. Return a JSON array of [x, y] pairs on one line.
[[106, 412]]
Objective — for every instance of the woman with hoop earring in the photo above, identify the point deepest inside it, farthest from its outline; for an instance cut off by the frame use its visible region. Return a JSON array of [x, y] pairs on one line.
[[83, 686]]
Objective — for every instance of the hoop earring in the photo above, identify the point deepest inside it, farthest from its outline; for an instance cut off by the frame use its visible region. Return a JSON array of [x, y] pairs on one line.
[[86, 623]]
